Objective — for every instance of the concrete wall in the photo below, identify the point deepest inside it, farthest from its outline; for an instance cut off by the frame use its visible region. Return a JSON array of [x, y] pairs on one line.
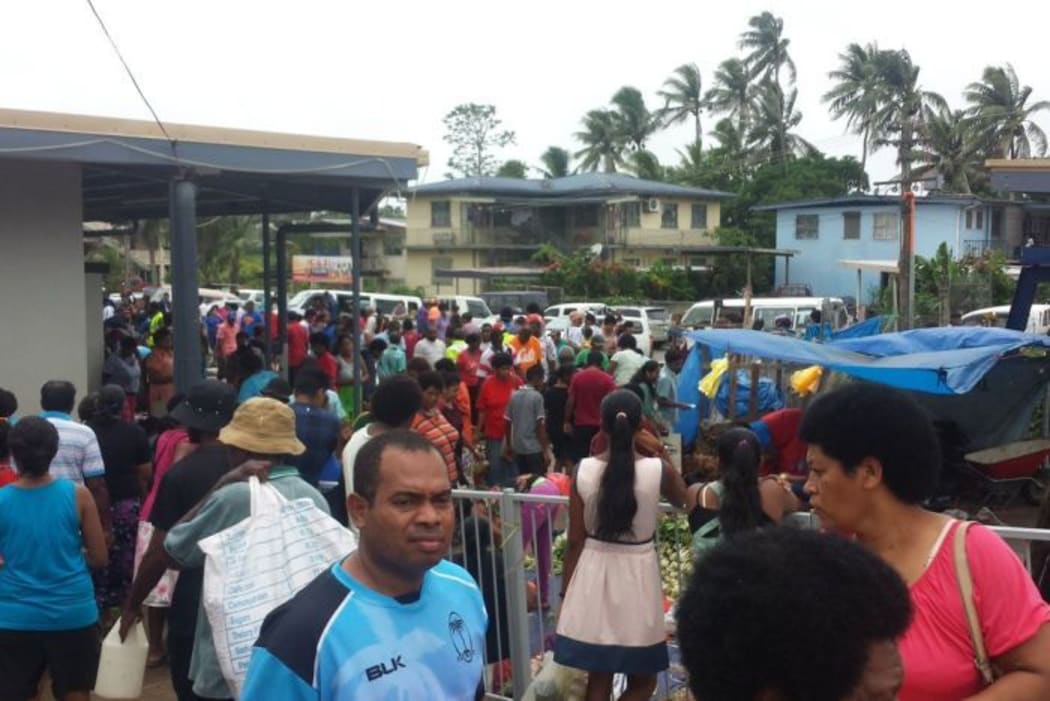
[[42, 282], [94, 336], [817, 263]]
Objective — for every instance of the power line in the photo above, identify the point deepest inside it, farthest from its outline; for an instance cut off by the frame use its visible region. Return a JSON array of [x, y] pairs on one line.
[[127, 69]]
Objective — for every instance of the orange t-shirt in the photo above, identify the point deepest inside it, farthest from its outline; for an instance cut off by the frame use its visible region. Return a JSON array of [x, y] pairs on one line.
[[526, 354]]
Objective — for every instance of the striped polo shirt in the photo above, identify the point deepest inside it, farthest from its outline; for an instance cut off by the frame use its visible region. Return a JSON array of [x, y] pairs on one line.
[[78, 457]]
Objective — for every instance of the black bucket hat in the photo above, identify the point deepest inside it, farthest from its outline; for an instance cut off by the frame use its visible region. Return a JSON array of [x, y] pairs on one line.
[[208, 406]]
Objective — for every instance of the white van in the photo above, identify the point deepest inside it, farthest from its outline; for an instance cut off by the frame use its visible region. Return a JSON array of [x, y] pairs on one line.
[[599, 309], [475, 306], [1038, 318], [768, 309], [381, 303]]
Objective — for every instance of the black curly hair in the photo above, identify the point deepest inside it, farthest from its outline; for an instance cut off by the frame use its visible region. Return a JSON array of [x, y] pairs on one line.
[[786, 593], [863, 420]]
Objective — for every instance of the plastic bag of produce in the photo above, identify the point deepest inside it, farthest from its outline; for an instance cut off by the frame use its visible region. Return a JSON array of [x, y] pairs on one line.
[[557, 682]]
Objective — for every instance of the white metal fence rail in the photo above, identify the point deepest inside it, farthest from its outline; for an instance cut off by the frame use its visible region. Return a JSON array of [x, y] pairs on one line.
[[523, 523]]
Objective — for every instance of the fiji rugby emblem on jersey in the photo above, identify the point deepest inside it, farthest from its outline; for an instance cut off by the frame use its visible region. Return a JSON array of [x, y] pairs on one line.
[[460, 634]]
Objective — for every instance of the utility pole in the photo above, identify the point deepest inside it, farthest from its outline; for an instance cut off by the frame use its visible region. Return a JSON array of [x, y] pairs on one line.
[[906, 261]]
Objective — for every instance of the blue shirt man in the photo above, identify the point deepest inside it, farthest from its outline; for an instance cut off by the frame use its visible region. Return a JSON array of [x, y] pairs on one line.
[[393, 620], [315, 426]]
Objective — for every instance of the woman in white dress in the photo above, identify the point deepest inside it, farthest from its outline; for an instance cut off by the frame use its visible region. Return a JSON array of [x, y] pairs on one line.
[[612, 620]]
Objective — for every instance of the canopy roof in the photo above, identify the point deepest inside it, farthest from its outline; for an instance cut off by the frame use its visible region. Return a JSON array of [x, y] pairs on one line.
[[936, 361], [128, 165]]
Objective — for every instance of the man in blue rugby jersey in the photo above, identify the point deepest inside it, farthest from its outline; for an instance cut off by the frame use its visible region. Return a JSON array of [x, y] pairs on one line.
[[394, 619]]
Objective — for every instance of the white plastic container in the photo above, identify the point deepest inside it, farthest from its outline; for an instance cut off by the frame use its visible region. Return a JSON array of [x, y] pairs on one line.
[[122, 666]]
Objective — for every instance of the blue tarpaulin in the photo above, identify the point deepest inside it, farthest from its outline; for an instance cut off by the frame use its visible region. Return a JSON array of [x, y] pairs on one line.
[[940, 361], [868, 327]]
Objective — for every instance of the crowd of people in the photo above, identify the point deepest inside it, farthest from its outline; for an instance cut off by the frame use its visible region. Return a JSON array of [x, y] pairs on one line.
[[104, 516]]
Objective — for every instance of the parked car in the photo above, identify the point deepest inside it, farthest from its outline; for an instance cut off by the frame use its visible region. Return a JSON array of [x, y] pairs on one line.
[[206, 296], [475, 306], [1038, 318], [599, 309], [657, 319]]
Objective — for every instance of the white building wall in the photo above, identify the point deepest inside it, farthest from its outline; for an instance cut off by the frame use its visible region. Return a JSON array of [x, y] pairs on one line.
[[42, 284]]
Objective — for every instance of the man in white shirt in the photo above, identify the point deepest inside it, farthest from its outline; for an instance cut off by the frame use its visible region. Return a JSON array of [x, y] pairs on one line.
[[79, 458], [430, 347]]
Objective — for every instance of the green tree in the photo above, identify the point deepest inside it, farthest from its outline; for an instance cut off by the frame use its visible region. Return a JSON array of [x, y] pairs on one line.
[[683, 96], [633, 119], [645, 165], [856, 94], [556, 162], [775, 117], [513, 169], [732, 93], [602, 141], [221, 243], [949, 145], [999, 104], [903, 108], [475, 133], [769, 49]]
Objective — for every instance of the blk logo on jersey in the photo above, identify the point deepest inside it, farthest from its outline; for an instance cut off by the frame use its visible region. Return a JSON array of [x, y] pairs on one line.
[[460, 634], [381, 670]]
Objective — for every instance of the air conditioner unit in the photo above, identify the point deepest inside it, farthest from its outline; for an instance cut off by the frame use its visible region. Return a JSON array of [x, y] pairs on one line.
[[653, 205]]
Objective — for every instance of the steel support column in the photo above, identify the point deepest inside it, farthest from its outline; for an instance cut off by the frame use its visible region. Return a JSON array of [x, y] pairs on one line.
[[268, 348], [282, 299], [182, 212], [356, 271]]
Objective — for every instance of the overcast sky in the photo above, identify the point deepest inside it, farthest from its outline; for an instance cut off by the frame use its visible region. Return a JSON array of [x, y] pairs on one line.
[[393, 70]]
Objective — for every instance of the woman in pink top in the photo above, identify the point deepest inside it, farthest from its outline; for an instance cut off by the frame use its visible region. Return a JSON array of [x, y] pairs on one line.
[[873, 458]]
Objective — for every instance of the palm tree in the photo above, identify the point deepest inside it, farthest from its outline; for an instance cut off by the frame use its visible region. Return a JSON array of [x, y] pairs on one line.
[[684, 98], [903, 107], [857, 92], [949, 145], [732, 143], [645, 165], [634, 120], [602, 141], [732, 93], [556, 162], [769, 50], [1000, 105], [775, 117]]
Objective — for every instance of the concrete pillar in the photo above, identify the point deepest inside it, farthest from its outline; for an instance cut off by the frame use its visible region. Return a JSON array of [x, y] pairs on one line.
[[42, 280], [184, 287]]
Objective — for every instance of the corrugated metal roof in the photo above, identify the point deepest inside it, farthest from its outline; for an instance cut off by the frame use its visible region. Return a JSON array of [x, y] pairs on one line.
[[584, 184], [861, 200]]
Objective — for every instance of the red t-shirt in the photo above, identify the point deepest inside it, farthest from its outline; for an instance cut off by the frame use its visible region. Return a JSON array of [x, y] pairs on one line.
[[492, 400], [587, 390], [468, 363], [789, 448], [298, 344], [411, 338], [7, 475], [936, 649], [326, 361]]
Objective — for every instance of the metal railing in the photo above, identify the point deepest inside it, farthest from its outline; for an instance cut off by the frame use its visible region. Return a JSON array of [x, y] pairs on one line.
[[525, 528]]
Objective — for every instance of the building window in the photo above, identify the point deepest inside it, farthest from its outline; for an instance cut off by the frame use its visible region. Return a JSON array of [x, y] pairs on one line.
[[699, 216], [851, 225], [807, 226], [631, 214], [699, 261], [437, 264], [885, 228], [585, 216], [669, 218], [670, 263], [440, 214], [979, 219], [632, 262], [393, 244], [969, 219]]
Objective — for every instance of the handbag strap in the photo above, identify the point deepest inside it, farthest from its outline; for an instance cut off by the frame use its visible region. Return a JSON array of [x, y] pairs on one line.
[[973, 621]]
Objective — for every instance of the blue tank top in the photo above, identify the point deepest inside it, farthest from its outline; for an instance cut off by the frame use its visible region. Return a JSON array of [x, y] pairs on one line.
[[44, 581]]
